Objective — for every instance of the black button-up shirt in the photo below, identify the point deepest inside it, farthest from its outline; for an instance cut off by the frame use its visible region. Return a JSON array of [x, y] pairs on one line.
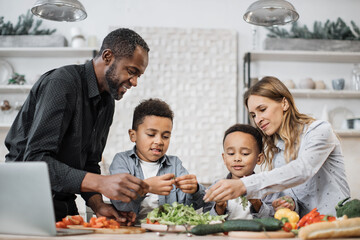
[[65, 122]]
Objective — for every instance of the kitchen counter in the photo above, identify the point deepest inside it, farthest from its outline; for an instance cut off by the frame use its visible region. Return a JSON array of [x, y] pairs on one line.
[[144, 236]]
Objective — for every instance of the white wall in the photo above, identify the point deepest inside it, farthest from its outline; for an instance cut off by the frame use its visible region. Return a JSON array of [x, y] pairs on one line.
[[217, 14]]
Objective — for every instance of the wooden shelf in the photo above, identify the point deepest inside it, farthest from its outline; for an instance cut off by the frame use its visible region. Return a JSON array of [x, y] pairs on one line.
[[15, 88], [4, 126], [316, 93], [306, 56], [348, 133], [48, 52]]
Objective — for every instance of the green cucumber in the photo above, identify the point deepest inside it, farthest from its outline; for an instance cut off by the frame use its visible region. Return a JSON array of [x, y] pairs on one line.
[[203, 229], [242, 225], [270, 224]]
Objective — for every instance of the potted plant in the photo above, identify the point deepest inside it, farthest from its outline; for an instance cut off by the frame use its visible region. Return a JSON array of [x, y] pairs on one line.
[[331, 36], [26, 33]]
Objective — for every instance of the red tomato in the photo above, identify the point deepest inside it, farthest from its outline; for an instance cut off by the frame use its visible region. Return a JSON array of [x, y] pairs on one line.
[[287, 227], [67, 221], [60, 224]]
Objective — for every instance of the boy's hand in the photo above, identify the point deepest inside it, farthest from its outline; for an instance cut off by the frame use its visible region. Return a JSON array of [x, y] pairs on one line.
[[161, 185], [284, 202], [187, 183], [220, 207], [256, 203]]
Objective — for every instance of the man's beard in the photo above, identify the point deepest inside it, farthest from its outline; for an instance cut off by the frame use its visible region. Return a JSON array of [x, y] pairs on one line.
[[113, 85]]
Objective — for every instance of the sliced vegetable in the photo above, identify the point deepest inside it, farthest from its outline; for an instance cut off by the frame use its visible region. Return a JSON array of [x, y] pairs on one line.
[[70, 220], [180, 214], [314, 216]]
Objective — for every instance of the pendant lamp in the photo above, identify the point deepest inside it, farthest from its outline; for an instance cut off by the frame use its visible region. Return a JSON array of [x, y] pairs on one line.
[[59, 10], [270, 12]]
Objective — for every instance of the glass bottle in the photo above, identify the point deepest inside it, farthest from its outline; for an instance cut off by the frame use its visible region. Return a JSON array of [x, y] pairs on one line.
[[355, 84]]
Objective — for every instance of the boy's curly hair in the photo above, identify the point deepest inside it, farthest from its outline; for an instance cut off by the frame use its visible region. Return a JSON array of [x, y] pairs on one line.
[[151, 107], [245, 128]]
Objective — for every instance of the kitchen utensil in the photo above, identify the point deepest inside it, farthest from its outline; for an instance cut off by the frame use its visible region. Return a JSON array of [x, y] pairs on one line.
[[6, 71], [267, 234], [338, 84]]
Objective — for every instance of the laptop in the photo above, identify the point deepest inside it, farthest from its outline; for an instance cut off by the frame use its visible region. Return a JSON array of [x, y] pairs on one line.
[[26, 205]]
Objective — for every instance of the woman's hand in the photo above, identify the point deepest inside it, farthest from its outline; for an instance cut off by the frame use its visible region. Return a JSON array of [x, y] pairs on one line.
[[224, 190], [187, 183]]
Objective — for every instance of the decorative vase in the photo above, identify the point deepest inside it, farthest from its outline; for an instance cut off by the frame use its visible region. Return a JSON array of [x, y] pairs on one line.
[[307, 83]]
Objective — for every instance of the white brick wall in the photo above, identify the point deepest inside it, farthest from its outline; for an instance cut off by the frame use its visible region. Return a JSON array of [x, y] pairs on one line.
[[195, 71]]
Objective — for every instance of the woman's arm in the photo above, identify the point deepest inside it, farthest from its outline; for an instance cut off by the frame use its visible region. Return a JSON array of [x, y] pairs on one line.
[[317, 144]]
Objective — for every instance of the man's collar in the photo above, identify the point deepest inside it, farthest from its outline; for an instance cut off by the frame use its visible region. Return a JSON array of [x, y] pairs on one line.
[[93, 89]]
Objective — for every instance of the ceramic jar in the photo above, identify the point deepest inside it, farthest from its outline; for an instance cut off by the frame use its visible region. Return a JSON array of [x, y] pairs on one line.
[[289, 83], [320, 84], [338, 84], [307, 83]]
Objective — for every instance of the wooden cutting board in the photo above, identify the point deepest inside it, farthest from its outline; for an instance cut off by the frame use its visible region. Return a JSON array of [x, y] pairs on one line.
[[257, 235], [121, 230]]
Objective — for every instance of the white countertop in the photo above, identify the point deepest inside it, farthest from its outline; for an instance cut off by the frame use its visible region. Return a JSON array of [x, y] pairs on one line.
[[143, 236]]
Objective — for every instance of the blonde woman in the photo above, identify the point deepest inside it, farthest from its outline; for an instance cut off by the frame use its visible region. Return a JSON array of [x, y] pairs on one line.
[[303, 154]]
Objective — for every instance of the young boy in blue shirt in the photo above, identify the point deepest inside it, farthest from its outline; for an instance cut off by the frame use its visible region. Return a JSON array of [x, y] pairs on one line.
[[169, 181], [243, 150]]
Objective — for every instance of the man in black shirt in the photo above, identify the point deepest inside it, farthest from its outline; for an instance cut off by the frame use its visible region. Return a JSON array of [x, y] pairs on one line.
[[65, 122]]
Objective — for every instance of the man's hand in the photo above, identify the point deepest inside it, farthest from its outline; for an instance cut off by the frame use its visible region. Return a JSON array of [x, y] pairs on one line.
[[102, 209], [122, 186], [187, 183], [225, 189], [284, 202], [161, 185], [220, 207]]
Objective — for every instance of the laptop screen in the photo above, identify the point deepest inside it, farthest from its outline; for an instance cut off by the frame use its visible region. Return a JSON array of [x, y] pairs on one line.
[[25, 201]]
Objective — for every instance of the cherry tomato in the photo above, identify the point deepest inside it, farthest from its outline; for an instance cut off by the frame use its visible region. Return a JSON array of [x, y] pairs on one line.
[[60, 224], [287, 227]]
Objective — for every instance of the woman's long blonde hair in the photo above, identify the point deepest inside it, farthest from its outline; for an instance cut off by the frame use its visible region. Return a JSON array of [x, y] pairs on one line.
[[292, 124]]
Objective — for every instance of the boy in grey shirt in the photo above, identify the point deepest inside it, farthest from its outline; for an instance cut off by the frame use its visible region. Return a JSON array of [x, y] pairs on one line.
[[169, 181]]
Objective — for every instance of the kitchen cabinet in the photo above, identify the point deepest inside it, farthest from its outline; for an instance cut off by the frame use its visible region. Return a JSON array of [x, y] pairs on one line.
[[300, 64], [32, 62]]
